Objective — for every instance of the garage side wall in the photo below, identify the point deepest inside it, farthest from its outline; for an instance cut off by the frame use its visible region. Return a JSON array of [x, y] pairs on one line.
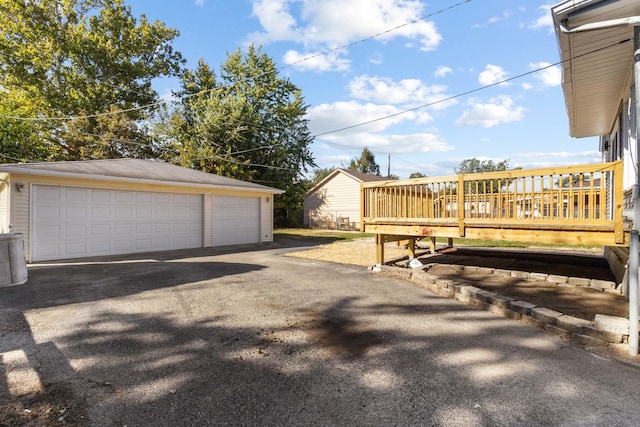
[[266, 218]]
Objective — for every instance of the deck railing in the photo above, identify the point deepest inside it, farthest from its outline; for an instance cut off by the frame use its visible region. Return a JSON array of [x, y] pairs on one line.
[[562, 198]]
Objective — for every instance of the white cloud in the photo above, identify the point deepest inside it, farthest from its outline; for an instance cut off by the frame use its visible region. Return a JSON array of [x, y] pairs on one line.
[[376, 58], [550, 76], [544, 21], [505, 15], [410, 92], [492, 74], [315, 61], [329, 117], [527, 86], [442, 71], [199, 3], [327, 24], [497, 111]]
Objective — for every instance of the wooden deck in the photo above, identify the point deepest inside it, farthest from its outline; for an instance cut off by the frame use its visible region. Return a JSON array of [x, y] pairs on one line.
[[568, 205]]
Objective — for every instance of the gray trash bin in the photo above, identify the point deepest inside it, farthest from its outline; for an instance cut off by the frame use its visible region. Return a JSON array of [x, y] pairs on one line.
[[13, 265]]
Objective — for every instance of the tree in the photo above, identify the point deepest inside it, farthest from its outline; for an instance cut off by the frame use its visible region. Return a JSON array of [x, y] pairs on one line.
[[366, 163], [20, 140], [247, 124], [473, 165], [321, 173], [65, 58], [417, 175]]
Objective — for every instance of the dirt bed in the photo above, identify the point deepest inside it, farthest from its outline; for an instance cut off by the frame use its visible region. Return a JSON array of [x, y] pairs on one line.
[[578, 301]]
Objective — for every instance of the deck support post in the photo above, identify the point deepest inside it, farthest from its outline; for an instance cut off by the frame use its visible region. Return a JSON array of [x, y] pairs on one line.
[[450, 242], [432, 245], [380, 249], [411, 247]]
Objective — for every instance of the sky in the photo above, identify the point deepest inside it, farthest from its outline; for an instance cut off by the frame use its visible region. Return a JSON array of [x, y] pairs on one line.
[[406, 78]]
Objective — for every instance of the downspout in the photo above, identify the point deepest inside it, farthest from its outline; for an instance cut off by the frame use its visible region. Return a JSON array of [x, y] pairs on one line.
[[634, 238]]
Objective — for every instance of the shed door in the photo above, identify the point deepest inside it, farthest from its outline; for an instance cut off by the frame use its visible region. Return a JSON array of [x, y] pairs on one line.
[[236, 220], [80, 222]]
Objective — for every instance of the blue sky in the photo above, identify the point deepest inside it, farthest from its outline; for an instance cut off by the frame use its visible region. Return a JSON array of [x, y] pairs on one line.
[[460, 47]]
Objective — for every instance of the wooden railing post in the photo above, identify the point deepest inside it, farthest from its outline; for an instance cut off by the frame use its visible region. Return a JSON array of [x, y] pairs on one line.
[[461, 204], [618, 198], [363, 203]]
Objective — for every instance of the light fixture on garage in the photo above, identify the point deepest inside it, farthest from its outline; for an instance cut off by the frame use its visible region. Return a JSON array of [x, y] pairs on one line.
[[19, 187]]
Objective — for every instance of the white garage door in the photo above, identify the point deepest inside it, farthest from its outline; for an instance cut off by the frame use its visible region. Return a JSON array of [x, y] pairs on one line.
[[236, 220], [81, 222]]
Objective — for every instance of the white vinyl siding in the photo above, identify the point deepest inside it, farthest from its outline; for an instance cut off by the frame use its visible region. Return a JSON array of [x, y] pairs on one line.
[[337, 198], [4, 208], [70, 222], [266, 219]]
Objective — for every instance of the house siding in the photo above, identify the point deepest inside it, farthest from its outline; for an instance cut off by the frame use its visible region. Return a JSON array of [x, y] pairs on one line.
[[337, 198]]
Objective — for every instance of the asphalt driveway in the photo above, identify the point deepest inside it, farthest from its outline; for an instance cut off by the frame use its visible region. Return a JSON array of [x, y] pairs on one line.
[[257, 338]]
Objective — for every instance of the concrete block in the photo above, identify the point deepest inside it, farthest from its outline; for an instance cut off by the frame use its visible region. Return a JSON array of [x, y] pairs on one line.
[[469, 290], [485, 295], [530, 321], [542, 277], [485, 270], [572, 324], [554, 278], [445, 292], [545, 315], [444, 283], [603, 335], [588, 341], [579, 281], [522, 307], [476, 302], [520, 274], [461, 297], [501, 272], [614, 324], [605, 285], [499, 300]]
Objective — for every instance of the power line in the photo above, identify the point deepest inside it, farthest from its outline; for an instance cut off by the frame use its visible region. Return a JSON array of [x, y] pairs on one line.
[[449, 98], [205, 91]]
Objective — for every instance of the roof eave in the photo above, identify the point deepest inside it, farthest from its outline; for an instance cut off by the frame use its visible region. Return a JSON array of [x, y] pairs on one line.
[[72, 175]]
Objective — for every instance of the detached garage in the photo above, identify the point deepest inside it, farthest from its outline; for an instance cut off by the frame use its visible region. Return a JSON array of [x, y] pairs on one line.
[[109, 207]]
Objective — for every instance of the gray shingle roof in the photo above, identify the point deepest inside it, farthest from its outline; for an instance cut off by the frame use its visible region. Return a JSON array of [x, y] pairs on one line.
[[132, 169]]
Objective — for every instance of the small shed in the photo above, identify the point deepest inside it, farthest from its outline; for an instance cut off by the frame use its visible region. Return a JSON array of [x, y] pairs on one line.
[[120, 206], [335, 201]]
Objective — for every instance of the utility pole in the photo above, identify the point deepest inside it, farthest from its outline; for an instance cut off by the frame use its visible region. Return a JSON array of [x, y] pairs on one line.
[[389, 165]]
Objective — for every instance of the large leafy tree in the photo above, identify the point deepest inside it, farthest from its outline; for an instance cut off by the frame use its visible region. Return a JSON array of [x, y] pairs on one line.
[[247, 123], [366, 163], [69, 58], [475, 165]]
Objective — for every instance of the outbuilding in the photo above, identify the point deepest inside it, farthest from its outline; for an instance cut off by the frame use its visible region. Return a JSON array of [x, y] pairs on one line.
[[334, 202], [120, 206]]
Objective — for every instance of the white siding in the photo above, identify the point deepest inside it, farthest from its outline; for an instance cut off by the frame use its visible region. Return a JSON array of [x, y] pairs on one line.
[[266, 219], [4, 208], [338, 197]]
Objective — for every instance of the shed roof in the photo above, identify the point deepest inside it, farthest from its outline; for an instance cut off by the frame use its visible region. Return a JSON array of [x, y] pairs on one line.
[[357, 176], [133, 170], [596, 63]]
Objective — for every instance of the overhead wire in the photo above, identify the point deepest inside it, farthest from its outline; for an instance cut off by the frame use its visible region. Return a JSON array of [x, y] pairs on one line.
[[276, 70]]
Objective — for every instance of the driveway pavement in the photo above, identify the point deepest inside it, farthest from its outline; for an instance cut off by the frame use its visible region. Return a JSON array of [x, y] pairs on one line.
[[257, 338]]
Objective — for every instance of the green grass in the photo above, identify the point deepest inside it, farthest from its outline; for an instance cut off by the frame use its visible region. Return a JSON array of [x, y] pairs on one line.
[[338, 235], [312, 233]]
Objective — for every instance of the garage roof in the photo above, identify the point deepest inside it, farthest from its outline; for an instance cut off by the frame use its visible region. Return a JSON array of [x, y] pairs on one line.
[[134, 170], [596, 64]]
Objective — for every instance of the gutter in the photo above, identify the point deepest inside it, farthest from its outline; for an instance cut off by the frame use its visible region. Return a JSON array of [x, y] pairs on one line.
[[73, 175]]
